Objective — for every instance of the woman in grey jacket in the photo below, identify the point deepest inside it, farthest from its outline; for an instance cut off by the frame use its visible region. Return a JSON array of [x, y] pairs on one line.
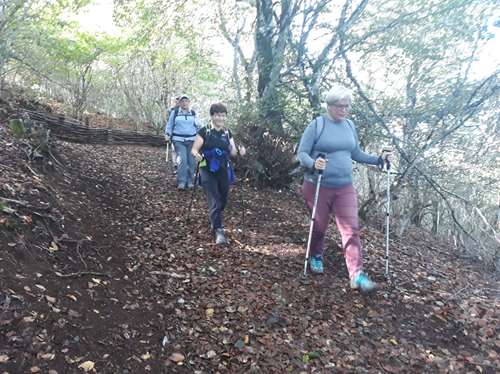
[[335, 136]]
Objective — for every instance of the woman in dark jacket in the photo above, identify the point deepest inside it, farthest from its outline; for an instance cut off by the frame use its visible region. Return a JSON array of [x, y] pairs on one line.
[[212, 148]]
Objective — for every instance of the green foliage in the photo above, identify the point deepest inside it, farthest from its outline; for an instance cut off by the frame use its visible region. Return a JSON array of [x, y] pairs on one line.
[[6, 223], [308, 357], [17, 127]]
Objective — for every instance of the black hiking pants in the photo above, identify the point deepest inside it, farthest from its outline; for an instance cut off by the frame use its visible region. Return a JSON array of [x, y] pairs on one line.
[[216, 187]]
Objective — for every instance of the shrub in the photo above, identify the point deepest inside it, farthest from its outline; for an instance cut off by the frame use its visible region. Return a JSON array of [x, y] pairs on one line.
[[270, 158]]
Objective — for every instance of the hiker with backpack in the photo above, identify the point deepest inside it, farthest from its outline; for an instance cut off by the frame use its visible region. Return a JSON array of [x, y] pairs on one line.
[[335, 137], [181, 129], [170, 152], [212, 149]]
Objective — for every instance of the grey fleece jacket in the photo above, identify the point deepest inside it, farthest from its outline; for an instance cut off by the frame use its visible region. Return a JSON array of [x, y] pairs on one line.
[[339, 142]]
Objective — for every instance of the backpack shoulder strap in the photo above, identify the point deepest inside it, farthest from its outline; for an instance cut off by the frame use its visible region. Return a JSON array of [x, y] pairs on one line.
[[176, 113], [351, 125], [319, 127], [228, 136], [353, 129]]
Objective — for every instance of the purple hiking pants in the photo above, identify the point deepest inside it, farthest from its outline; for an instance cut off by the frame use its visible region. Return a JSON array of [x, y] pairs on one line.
[[343, 203]]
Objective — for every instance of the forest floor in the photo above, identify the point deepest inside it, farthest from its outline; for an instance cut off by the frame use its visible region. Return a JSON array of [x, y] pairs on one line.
[[102, 270]]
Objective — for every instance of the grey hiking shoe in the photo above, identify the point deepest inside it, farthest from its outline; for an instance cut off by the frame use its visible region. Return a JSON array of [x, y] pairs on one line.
[[219, 237]]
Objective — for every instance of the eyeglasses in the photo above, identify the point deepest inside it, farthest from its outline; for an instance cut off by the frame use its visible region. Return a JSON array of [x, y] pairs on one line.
[[341, 106]]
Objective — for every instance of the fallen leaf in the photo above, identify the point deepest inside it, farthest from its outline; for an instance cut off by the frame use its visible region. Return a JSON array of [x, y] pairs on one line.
[[53, 247], [240, 344], [164, 341], [146, 356], [86, 366], [51, 299], [176, 357], [74, 314], [35, 369], [40, 287], [48, 356], [91, 285], [489, 332], [4, 359], [27, 220], [391, 369], [211, 354], [393, 341], [314, 354], [209, 312], [72, 297]]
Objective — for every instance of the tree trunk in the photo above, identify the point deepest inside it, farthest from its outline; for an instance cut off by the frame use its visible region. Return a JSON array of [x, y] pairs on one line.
[[271, 38], [436, 216]]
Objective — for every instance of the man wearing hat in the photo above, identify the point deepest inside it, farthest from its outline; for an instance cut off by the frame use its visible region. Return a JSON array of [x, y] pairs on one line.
[[181, 129]]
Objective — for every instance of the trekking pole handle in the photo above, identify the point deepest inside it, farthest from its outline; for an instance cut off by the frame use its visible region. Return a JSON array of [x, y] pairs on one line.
[[387, 162], [323, 156]]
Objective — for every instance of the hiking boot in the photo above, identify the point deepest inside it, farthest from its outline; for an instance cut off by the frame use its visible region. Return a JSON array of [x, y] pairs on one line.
[[219, 237], [181, 187], [363, 283], [316, 264], [190, 185]]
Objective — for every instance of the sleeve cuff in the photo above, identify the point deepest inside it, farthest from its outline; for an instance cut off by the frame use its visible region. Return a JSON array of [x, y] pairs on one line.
[[380, 162]]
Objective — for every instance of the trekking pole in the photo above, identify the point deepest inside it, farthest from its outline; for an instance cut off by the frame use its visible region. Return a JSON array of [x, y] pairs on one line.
[[387, 218], [167, 152], [242, 207], [196, 174], [313, 216]]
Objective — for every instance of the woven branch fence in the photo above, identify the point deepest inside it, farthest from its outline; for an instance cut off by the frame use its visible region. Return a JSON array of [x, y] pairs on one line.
[[71, 130]]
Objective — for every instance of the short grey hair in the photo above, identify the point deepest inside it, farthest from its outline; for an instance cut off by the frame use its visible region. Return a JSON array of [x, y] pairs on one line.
[[337, 93]]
